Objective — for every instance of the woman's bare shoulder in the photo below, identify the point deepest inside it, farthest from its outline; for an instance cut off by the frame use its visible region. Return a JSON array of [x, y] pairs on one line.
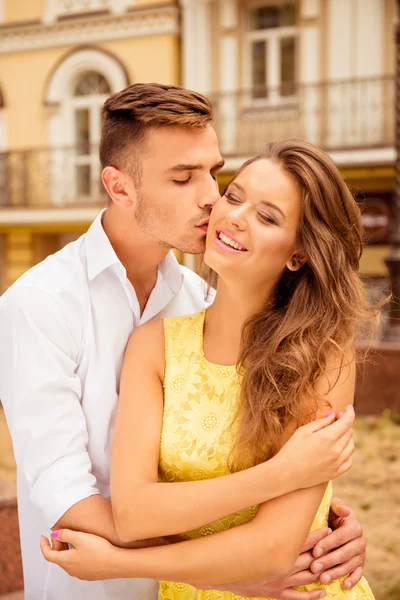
[[147, 345]]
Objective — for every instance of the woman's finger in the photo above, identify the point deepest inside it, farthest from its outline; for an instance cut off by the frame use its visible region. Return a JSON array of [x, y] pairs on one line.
[[345, 423], [57, 545], [67, 536], [49, 554], [319, 424]]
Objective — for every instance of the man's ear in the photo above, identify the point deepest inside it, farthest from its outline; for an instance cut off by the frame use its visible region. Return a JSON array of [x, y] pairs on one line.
[[296, 261], [119, 187]]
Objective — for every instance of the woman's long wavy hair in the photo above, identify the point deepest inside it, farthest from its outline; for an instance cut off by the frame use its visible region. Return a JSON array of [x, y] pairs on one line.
[[314, 313]]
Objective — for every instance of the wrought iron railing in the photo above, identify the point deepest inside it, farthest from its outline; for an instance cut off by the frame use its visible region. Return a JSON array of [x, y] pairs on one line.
[[347, 114], [341, 115], [51, 177]]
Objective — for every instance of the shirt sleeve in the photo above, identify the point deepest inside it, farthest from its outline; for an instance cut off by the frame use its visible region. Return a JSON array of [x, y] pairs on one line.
[[41, 394]]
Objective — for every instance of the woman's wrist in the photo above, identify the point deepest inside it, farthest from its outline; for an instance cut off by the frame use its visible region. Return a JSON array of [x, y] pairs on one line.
[[281, 478]]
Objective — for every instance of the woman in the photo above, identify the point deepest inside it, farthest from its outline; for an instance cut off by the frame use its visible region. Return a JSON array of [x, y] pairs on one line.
[[208, 400]]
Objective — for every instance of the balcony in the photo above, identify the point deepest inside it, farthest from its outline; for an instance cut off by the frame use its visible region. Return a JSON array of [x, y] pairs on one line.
[[344, 116]]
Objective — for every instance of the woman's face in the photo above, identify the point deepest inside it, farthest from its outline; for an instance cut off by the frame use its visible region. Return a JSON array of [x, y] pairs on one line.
[[253, 228]]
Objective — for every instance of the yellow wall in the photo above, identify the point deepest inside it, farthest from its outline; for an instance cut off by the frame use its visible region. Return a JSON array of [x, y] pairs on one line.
[[23, 10], [19, 254], [24, 77], [150, 58]]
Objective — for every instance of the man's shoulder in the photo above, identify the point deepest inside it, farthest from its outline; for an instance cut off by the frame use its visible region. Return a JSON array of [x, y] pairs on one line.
[[60, 277]]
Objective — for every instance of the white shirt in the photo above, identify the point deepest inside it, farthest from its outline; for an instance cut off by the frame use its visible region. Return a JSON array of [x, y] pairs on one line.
[[64, 327]]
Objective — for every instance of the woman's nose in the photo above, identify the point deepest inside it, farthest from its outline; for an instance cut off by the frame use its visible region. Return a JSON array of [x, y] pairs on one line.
[[237, 218]]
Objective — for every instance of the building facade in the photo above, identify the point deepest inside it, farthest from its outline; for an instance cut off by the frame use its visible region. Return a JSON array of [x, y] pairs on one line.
[[318, 69], [59, 61]]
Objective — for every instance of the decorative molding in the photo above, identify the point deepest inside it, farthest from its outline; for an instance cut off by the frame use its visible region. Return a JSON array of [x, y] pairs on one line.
[[57, 215], [81, 61], [89, 30], [57, 8]]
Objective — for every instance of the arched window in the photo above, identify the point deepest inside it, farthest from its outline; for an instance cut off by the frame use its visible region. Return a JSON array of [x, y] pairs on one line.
[[75, 95], [90, 92]]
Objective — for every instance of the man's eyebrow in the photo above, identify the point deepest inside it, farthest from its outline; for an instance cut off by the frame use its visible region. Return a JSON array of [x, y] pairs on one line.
[[194, 167], [270, 204]]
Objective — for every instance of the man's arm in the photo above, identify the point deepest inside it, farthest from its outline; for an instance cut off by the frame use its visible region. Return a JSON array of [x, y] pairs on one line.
[[40, 390]]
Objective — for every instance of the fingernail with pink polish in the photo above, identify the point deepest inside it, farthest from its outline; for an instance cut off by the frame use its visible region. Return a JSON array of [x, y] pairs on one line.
[[55, 533], [330, 414]]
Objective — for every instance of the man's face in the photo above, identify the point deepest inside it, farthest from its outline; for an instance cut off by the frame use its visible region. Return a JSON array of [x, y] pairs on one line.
[[178, 186]]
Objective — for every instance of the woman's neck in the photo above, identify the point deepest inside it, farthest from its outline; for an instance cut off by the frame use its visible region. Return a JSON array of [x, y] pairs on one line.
[[232, 307]]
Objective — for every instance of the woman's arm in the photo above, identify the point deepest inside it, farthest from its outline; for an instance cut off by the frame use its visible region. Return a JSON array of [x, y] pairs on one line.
[[144, 508], [266, 547]]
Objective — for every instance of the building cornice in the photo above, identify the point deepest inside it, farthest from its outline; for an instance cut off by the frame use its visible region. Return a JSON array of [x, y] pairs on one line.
[[84, 30]]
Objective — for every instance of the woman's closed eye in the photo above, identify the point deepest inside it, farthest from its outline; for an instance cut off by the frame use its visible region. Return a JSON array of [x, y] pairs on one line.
[[267, 219], [232, 199]]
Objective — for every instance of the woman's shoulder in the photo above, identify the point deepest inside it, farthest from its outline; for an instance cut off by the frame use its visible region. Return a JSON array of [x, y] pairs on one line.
[[188, 320]]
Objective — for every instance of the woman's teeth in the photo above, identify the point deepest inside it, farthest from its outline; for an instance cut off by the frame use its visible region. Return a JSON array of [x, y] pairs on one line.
[[227, 240]]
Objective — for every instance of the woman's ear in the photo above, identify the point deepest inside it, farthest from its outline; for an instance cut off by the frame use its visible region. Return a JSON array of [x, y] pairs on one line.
[[296, 261]]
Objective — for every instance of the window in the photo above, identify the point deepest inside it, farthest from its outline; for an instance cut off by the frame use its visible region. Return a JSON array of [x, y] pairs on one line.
[[271, 34], [75, 94], [90, 92]]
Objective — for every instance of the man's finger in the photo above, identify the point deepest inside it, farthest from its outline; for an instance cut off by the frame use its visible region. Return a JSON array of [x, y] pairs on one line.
[[339, 509], [315, 537], [353, 578], [341, 536], [353, 550], [339, 571], [291, 594]]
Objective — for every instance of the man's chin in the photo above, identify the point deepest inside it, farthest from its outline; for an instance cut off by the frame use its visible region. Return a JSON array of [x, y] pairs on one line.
[[191, 248]]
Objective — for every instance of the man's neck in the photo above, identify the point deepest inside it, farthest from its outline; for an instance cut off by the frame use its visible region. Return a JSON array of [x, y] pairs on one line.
[[139, 255]]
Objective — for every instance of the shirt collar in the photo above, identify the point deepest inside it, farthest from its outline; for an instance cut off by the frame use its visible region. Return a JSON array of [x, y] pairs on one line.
[[100, 255]]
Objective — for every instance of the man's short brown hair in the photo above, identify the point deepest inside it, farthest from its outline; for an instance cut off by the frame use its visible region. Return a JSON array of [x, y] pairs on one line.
[[128, 114]]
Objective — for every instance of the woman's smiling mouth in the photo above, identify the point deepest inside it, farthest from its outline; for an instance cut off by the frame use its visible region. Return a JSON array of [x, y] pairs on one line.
[[227, 242]]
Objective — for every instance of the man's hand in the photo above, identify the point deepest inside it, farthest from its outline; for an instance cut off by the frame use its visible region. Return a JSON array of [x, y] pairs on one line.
[[282, 589], [343, 551]]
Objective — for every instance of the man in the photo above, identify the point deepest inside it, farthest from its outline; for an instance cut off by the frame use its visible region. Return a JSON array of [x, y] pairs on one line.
[[65, 323]]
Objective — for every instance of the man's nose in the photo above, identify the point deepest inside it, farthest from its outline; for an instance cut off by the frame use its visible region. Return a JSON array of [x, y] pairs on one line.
[[210, 194]]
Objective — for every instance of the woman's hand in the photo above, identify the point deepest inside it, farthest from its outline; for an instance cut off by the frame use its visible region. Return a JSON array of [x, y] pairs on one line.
[[320, 450], [92, 558]]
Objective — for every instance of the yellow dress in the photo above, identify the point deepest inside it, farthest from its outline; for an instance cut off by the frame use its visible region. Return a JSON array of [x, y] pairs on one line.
[[195, 442]]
